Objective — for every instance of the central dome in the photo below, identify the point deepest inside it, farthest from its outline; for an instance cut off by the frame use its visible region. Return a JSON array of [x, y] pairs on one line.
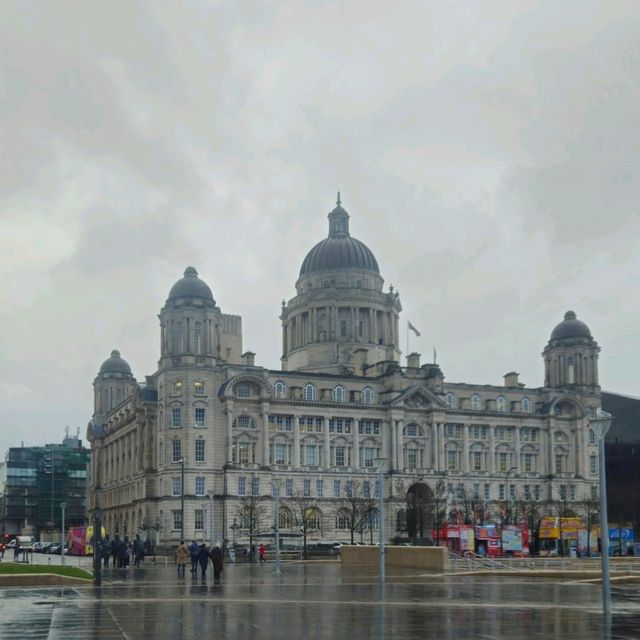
[[339, 250], [115, 364], [191, 287], [570, 327]]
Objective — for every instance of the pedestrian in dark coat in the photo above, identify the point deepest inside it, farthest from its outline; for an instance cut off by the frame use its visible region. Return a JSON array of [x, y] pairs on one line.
[[216, 560], [203, 560], [106, 551], [138, 550], [194, 552]]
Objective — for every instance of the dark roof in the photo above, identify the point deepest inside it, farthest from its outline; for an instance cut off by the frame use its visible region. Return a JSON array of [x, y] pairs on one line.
[[570, 327], [115, 364], [191, 287], [342, 252]]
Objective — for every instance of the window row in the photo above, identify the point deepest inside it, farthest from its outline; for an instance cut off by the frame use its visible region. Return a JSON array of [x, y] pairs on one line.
[[199, 452], [178, 415], [199, 486], [338, 393], [501, 404], [177, 388], [314, 424], [311, 488], [483, 432]]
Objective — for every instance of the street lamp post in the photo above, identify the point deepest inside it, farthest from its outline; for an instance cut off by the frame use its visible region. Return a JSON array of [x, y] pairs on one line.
[[276, 523], [63, 506], [601, 425], [213, 538], [381, 462], [181, 463]]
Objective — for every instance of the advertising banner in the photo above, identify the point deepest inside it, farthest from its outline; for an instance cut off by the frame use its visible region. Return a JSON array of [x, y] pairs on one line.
[[467, 540], [511, 539]]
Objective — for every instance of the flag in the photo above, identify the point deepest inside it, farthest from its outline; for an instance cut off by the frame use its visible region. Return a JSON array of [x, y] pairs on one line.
[[413, 329]]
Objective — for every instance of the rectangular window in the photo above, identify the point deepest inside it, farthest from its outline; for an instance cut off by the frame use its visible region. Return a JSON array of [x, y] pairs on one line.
[[177, 519], [199, 416], [176, 417], [339, 456], [198, 388], [176, 389], [593, 464], [307, 487], [412, 459], [311, 455], [280, 423], [572, 492], [528, 462], [563, 492], [502, 461], [476, 491], [512, 492], [527, 492], [487, 492], [594, 492], [368, 456], [360, 328], [377, 489], [319, 488], [255, 486], [199, 485], [536, 492], [558, 463], [336, 488], [288, 488], [176, 451], [369, 427], [501, 492], [349, 488], [366, 489], [343, 328], [200, 445], [452, 460], [198, 517], [281, 454], [477, 460], [452, 430], [176, 487], [242, 487]]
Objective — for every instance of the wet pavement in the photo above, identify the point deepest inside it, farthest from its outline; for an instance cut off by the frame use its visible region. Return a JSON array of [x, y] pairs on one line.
[[316, 600]]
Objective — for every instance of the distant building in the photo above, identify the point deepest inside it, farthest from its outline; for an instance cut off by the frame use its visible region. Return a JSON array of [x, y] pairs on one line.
[[35, 480], [340, 402]]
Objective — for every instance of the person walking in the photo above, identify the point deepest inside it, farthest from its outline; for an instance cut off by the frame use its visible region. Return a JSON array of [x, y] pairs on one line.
[[115, 548], [203, 560], [106, 550], [182, 553], [194, 551], [216, 560], [261, 553], [138, 550]]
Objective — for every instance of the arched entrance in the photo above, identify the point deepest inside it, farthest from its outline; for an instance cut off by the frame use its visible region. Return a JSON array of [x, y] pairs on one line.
[[419, 512]]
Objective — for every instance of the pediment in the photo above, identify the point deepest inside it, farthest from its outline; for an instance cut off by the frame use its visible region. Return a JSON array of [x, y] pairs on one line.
[[418, 397]]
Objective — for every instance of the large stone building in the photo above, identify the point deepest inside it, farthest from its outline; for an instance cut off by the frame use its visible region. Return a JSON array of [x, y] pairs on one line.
[[341, 401]]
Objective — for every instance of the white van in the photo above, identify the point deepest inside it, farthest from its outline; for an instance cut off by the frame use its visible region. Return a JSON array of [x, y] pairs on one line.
[[25, 542]]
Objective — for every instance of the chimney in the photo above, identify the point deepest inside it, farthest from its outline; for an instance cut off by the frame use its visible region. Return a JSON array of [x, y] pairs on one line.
[[249, 358], [511, 379], [413, 360]]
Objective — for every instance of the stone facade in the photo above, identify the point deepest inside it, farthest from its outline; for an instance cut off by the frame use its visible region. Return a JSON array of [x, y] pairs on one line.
[[341, 402]]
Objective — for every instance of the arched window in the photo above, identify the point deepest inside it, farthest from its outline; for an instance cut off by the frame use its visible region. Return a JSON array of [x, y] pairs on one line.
[[450, 399], [338, 394], [592, 436], [526, 405], [197, 338], [475, 402], [501, 404], [279, 390], [286, 519], [309, 392], [367, 395]]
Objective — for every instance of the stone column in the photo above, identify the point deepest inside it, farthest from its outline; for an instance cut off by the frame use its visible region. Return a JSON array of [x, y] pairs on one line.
[[399, 447], [355, 458], [516, 443], [435, 447], [441, 456], [465, 448], [327, 443], [392, 449], [492, 449], [374, 326], [229, 433], [265, 435], [296, 442]]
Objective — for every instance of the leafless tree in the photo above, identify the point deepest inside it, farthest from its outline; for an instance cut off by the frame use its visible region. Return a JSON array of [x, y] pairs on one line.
[[251, 512], [306, 514]]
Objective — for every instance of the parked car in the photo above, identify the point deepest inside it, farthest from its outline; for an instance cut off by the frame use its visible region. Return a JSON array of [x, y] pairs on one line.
[[38, 547], [54, 548]]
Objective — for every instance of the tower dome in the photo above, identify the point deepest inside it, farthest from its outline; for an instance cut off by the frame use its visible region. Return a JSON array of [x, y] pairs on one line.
[[115, 364], [339, 250], [190, 286], [570, 327]]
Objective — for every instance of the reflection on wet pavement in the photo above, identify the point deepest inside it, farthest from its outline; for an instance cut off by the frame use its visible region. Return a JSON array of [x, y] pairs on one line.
[[315, 601]]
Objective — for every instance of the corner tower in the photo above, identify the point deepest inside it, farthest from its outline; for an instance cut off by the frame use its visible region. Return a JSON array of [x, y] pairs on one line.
[[340, 320], [571, 357]]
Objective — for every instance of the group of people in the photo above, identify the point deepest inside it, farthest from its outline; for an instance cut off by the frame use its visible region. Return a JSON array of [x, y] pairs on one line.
[[123, 551], [200, 556]]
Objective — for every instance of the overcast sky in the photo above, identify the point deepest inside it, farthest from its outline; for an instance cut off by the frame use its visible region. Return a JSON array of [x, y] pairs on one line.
[[487, 152]]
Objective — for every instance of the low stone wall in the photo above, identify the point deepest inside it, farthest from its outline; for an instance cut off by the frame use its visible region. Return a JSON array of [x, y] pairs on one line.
[[419, 558]]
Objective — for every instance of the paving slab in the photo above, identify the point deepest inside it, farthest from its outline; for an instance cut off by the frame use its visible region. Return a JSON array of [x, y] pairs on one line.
[[319, 600]]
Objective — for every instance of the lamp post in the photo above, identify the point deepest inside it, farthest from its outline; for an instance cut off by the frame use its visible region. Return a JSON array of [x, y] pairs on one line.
[[600, 425], [213, 538], [506, 502], [381, 462], [276, 523], [63, 506]]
